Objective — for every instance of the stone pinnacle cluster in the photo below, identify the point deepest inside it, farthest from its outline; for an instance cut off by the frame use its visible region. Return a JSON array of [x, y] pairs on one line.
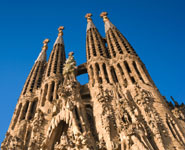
[[120, 108]]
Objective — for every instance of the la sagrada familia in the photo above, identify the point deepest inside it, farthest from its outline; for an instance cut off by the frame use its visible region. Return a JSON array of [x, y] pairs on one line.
[[120, 108]]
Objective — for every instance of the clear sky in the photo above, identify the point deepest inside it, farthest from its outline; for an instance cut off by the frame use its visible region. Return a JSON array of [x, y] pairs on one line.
[[155, 28]]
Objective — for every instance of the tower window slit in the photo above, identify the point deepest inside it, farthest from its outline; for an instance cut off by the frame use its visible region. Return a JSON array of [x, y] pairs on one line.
[[92, 44], [56, 60], [52, 90], [87, 47], [92, 75], [107, 51], [98, 73], [44, 95], [25, 109], [99, 46], [49, 69], [34, 78], [28, 80], [113, 73], [112, 48], [17, 115], [116, 42], [62, 60], [105, 72], [120, 69], [127, 67], [40, 76], [138, 73], [33, 108]]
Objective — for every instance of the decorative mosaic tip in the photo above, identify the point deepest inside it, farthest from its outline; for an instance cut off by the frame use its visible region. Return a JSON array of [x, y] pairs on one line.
[[104, 16], [60, 30], [45, 46], [88, 16]]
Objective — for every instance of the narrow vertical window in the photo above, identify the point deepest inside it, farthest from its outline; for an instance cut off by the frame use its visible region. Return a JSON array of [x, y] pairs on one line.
[[50, 63], [98, 73], [52, 90], [56, 60], [92, 43], [105, 72], [92, 75], [113, 73]]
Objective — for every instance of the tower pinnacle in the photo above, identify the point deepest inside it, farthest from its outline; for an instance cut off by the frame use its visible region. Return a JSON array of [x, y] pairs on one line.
[[88, 17], [42, 55], [59, 39], [104, 16], [60, 29], [45, 46], [90, 24]]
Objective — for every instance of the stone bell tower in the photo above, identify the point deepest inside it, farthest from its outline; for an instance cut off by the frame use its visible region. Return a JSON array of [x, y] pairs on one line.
[[120, 108]]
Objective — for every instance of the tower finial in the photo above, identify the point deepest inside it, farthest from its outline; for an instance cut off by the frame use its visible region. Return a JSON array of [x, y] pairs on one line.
[[60, 30], [45, 46], [104, 16], [88, 16]]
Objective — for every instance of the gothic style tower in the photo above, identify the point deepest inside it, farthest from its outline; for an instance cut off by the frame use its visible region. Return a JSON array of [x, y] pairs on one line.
[[119, 109]]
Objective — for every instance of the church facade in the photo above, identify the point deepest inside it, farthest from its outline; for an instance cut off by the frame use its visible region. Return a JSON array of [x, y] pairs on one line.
[[120, 108]]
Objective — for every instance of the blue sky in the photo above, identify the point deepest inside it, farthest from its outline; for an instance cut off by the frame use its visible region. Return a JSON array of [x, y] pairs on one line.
[[155, 28]]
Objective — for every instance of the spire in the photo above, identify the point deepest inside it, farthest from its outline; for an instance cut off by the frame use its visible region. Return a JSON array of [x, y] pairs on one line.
[[35, 77], [59, 39], [95, 45], [42, 55], [57, 56], [117, 43]]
